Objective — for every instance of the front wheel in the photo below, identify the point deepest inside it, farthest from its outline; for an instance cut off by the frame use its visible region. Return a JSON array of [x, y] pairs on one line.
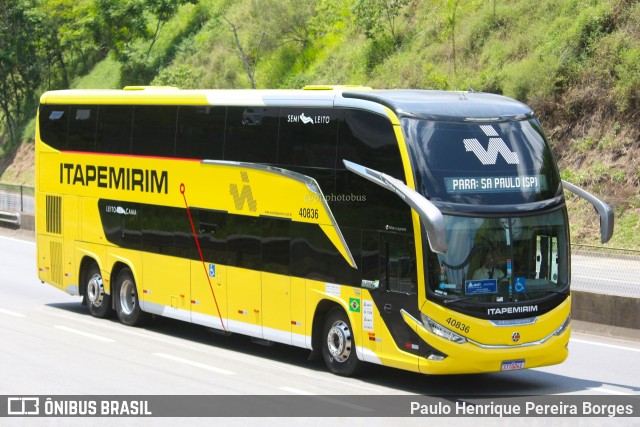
[[127, 302], [338, 346], [97, 300]]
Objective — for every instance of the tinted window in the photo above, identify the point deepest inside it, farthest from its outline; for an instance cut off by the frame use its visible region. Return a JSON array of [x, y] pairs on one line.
[[54, 120], [308, 137], [201, 132], [157, 229], [276, 245], [121, 222], [313, 256], [82, 128], [243, 241], [184, 241], [114, 129], [154, 130], [212, 234], [362, 204], [251, 134], [369, 140]]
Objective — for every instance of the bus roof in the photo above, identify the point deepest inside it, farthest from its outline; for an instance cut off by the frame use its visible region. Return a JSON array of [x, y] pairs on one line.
[[444, 105]]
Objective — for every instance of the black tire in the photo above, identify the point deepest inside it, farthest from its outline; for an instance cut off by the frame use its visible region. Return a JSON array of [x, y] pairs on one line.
[[338, 344], [97, 300], [126, 299]]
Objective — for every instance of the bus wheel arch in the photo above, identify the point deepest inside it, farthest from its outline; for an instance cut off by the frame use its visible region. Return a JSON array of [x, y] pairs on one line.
[[333, 337], [126, 301], [98, 301]]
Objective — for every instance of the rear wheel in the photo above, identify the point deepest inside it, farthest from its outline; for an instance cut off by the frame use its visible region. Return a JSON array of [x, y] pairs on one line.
[[338, 345], [97, 300], [127, 302]]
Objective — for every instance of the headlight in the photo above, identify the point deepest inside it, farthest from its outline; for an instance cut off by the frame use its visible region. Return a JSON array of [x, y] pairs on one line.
[[441, 331]]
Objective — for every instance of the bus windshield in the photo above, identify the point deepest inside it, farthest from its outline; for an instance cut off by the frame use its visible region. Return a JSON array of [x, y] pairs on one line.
[[502, 259], [475, 163]]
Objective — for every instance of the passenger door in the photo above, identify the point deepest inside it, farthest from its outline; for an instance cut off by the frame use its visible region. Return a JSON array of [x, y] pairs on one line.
[[398, 290]]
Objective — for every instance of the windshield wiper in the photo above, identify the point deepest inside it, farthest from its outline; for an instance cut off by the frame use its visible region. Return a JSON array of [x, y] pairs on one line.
[[549, 291], [451, 301]]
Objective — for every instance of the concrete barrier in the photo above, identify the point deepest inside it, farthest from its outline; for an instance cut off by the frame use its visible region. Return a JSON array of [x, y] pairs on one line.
[[609, 315], [28, 221]]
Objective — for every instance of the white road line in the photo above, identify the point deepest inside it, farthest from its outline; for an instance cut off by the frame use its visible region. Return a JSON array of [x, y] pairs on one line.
[[196, 364], [210, 349], [11, 313], [296, 391], [29, 242], [606, 390], [617, 347], [84, 334]]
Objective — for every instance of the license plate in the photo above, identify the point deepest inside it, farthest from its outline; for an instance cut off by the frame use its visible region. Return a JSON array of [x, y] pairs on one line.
[[512, 365]]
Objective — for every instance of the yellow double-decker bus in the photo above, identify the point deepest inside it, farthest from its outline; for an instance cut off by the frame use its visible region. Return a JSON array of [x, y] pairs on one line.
[[422, 230]]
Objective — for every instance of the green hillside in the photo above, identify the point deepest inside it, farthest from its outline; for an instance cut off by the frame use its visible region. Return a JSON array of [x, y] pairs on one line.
[[575, 62]]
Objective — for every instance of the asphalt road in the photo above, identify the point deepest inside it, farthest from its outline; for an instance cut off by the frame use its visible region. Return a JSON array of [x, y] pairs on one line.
[[52, 346]]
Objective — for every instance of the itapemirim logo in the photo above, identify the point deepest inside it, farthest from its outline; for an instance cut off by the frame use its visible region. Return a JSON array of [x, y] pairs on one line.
[[496, 146], [244, 196]]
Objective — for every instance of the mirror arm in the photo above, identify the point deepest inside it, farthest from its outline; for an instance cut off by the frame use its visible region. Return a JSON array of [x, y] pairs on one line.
[[604, 210], [430, 215]]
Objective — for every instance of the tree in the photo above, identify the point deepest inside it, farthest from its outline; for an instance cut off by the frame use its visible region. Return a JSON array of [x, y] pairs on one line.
[[21, 60], [163, 10], [375, 16], [452, 8], [249, 62]]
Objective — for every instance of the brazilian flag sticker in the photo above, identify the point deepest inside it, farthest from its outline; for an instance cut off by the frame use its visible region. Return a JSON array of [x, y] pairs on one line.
[[354, 305]]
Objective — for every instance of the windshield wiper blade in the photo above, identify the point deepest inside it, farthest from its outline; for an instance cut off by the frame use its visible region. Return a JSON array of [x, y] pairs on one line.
[[549, 291], [451, 301]]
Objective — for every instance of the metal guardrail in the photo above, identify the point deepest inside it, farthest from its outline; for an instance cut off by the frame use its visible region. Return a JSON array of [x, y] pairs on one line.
[[17, 198], [604, 270]]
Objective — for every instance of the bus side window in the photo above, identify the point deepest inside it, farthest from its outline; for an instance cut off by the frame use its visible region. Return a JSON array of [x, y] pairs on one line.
[[54, 121], [369, 140], [314, 257], [158, 229], [251, 134], [200, 133], [82, 128], [114, 129], [398, 263], [211, 227], [276, 242], [308, 137], [244, 241], [121, 222], [154, 130]]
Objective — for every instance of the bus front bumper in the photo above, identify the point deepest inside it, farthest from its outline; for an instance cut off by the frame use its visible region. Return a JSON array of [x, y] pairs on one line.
[[471, 357]]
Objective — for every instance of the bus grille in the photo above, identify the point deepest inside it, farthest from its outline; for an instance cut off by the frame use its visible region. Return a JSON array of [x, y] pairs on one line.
[[54, 214], [56, 263]]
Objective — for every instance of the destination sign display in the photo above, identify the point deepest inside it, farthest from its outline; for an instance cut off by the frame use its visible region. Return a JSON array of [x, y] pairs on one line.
[[492, 184]]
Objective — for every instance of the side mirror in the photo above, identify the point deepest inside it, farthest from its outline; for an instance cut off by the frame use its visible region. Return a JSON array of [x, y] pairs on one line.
[[429, 214], [604, 210]]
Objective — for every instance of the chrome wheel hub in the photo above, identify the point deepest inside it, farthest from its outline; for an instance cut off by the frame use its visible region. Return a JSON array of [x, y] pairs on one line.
[[339, 341], [127, 297], [95, 290]]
